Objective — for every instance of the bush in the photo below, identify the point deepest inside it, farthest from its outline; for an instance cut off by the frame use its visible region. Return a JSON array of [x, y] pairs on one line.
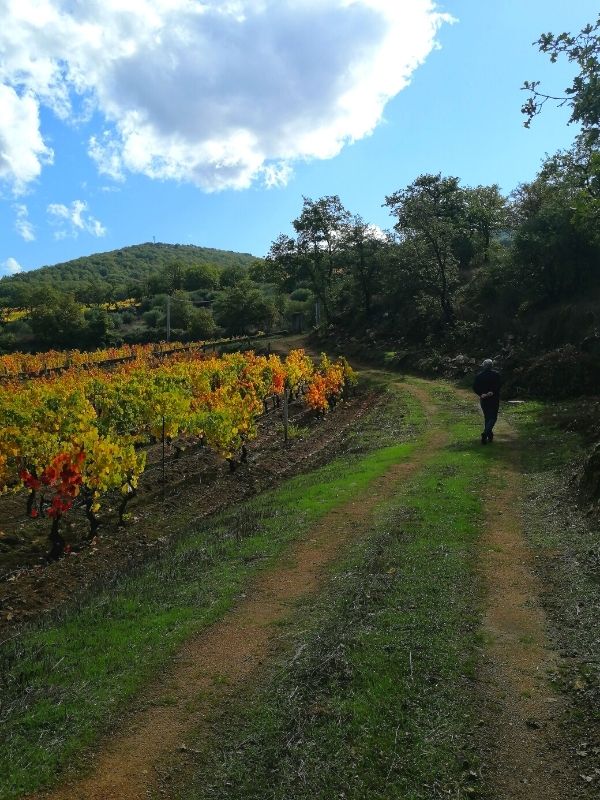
[[301, 295], [564, 372], [8, 342], [154, 318], [202, 324]]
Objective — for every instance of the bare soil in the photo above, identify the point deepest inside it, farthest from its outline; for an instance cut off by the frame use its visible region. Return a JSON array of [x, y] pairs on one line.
[[128, 765]]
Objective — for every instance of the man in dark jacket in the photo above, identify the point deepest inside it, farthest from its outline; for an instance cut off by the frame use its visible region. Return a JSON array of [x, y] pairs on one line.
[[487, 386]]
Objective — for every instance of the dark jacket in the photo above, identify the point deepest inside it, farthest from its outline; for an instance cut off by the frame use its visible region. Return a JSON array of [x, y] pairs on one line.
[[488, 380]]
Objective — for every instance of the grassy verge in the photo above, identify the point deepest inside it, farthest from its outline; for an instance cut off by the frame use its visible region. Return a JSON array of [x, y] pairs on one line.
[[372, 694], [567, 546], [63, 682]]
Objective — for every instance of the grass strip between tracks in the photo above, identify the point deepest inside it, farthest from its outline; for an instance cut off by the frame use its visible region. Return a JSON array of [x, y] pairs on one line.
[[65, 682], [372, 695]]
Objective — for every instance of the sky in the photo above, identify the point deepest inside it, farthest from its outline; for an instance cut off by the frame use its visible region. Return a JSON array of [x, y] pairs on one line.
[[207, 121]]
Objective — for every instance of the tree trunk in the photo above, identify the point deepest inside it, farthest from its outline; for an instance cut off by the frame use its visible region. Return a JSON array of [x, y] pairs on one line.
[[57, 543], [91, 517], [124, 503], [31, 501]]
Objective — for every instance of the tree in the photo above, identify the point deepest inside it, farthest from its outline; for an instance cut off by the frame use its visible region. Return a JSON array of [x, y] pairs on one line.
[[59, 322], [94, 293], [258, 271], [486, 216], [158, 284], [281, 265], [364, 249], [181, 310], [200, 276], [232, 276], [320, 232], [314, 255], [556, 248], [242, 308], [202, 324], [97, 325], [583, 95], [173, 275], [431, 215]]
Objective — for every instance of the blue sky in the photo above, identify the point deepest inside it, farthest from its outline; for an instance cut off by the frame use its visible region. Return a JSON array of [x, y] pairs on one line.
[[100, 155]]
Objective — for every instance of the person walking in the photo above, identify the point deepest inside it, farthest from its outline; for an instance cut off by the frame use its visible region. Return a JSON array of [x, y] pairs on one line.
[[487, 385]]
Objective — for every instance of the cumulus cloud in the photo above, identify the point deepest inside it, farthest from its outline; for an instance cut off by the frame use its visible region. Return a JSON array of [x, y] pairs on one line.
[[23, 225], [22, 148], [71, 220], [212, 92], [10, 267]]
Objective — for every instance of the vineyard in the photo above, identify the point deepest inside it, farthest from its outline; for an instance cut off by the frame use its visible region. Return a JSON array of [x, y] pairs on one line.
[[37, 365], [74, 437]]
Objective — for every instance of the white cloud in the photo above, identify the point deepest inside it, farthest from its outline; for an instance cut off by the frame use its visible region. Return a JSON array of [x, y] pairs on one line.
[[217, 93], [10, 267], [71, 220], [377, 232], [22, 149], [23, 225], [275, 175]]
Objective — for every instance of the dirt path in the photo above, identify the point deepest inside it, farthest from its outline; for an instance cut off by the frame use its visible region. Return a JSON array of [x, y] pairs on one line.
[[211, 665], [527, 760]]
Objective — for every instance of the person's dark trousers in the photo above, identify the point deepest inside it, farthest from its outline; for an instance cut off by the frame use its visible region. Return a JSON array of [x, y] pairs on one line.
[[490, 415]]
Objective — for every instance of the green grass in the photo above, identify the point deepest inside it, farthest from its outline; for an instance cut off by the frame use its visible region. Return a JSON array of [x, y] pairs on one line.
[[372, 696], [546, 445], [63, 682]]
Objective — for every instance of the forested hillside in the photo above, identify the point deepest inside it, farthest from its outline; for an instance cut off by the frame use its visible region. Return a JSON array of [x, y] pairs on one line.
[[112, 274], [125, 296]]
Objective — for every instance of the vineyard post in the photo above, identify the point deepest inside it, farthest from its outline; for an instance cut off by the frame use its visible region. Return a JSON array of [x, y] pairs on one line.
[[286, 393], [163, 454]]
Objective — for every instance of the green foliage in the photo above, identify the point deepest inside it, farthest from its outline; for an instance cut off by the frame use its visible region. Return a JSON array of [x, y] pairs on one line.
[[201, 276], [560, 373], [429, 215], [181, 310], [314, 256], [242, 309], [154, 318], [232, 276], [60, 322], [97, 327], [202, 324], [583, 95], [301, 295]]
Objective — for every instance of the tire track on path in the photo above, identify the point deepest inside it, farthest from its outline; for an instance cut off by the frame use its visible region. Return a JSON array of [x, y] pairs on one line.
[[527, 759], [211, 665]]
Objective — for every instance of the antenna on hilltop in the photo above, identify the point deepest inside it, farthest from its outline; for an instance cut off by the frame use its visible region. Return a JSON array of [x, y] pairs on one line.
[[154, 239]]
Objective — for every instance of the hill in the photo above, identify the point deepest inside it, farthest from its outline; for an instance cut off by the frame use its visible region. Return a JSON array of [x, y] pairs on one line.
[[119, 267]]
